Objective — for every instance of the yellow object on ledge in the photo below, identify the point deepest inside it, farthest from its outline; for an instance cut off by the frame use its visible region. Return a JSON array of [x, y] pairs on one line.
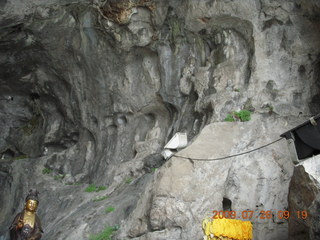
[[226, 229]]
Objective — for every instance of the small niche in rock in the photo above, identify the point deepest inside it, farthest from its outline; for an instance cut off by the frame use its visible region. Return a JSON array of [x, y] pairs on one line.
[[134, 153], [122, 120], [94, 120], [226, 204], [150, 118], [112, 129], [74, 136], [270, 85], [129, 209], [53, 147], [34, 96], [203, 32], [7, 154], [302, 69]]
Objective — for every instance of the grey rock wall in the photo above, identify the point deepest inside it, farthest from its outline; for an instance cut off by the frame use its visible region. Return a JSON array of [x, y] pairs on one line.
[[92, 90], [304, 201]]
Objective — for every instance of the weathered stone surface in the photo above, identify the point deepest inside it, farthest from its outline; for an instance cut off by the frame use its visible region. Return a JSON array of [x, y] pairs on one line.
[[187, 190], [94, 96], [304, 200]]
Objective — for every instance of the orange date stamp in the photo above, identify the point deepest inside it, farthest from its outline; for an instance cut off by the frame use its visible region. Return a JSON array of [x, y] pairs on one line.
[[263, 214]]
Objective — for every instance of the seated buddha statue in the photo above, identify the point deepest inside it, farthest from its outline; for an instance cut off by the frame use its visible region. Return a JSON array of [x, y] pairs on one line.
[[26, 225]]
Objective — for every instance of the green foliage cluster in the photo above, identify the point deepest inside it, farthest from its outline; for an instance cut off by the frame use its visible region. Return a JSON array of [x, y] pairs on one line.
[[73, 183], [243, 116], [270, 108], [128, 180], [236, 89], [106, 234], [101, 198], [94, 188], [20, 157], [59, 177], [229, 118], [46, 171], [110, 209]]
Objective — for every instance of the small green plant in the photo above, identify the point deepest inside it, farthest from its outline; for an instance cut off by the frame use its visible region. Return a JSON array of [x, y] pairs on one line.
[[59, 177], [236, 89], [101, 188], [243, 115], [94, 188], [106, 234], [91, 188], [153, 169], [128, 180], [20, 157], [270, 109], [109, 209], [46, 171], [229, 118], [73, 183], [101, 198]]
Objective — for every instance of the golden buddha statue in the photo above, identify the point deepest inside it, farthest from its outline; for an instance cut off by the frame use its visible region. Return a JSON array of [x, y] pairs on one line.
[[26, 225]]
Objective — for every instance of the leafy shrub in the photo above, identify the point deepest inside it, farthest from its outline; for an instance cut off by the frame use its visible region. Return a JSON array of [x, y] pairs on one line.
[[20, 157], [73, 183], [101, 188], [94, 188], [46, 171], [110, 209], [270, 109], [129, 180], [101, 198], [236, 89], [243, 115], [106, 234], [58, 177], [229, 118]]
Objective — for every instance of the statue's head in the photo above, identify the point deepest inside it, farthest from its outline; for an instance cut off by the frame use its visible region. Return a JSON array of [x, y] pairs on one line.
[[32, 200]]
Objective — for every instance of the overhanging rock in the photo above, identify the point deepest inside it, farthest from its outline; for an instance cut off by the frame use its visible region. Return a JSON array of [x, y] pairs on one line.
[[304, 140]]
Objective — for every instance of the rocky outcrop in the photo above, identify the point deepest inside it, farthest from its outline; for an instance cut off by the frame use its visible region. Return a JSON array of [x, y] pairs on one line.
[[91, 91], [304, 200], [188, 189]]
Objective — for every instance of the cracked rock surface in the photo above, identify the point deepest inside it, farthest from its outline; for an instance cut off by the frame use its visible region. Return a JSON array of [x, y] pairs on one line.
[[91, 91]]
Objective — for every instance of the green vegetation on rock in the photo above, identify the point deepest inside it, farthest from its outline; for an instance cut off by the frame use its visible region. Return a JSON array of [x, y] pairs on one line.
[[243, 116], [20, 157], [106, 234], [110, 209], [94, 188], [101, 198], [128, 180], [46, 171], [229, 118], [59, 177]]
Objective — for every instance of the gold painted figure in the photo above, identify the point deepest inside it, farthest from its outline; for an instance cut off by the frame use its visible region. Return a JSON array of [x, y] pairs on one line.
[[26, 225]]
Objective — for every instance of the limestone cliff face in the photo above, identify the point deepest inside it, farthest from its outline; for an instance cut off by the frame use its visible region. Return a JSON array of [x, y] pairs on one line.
[[92, 90]]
